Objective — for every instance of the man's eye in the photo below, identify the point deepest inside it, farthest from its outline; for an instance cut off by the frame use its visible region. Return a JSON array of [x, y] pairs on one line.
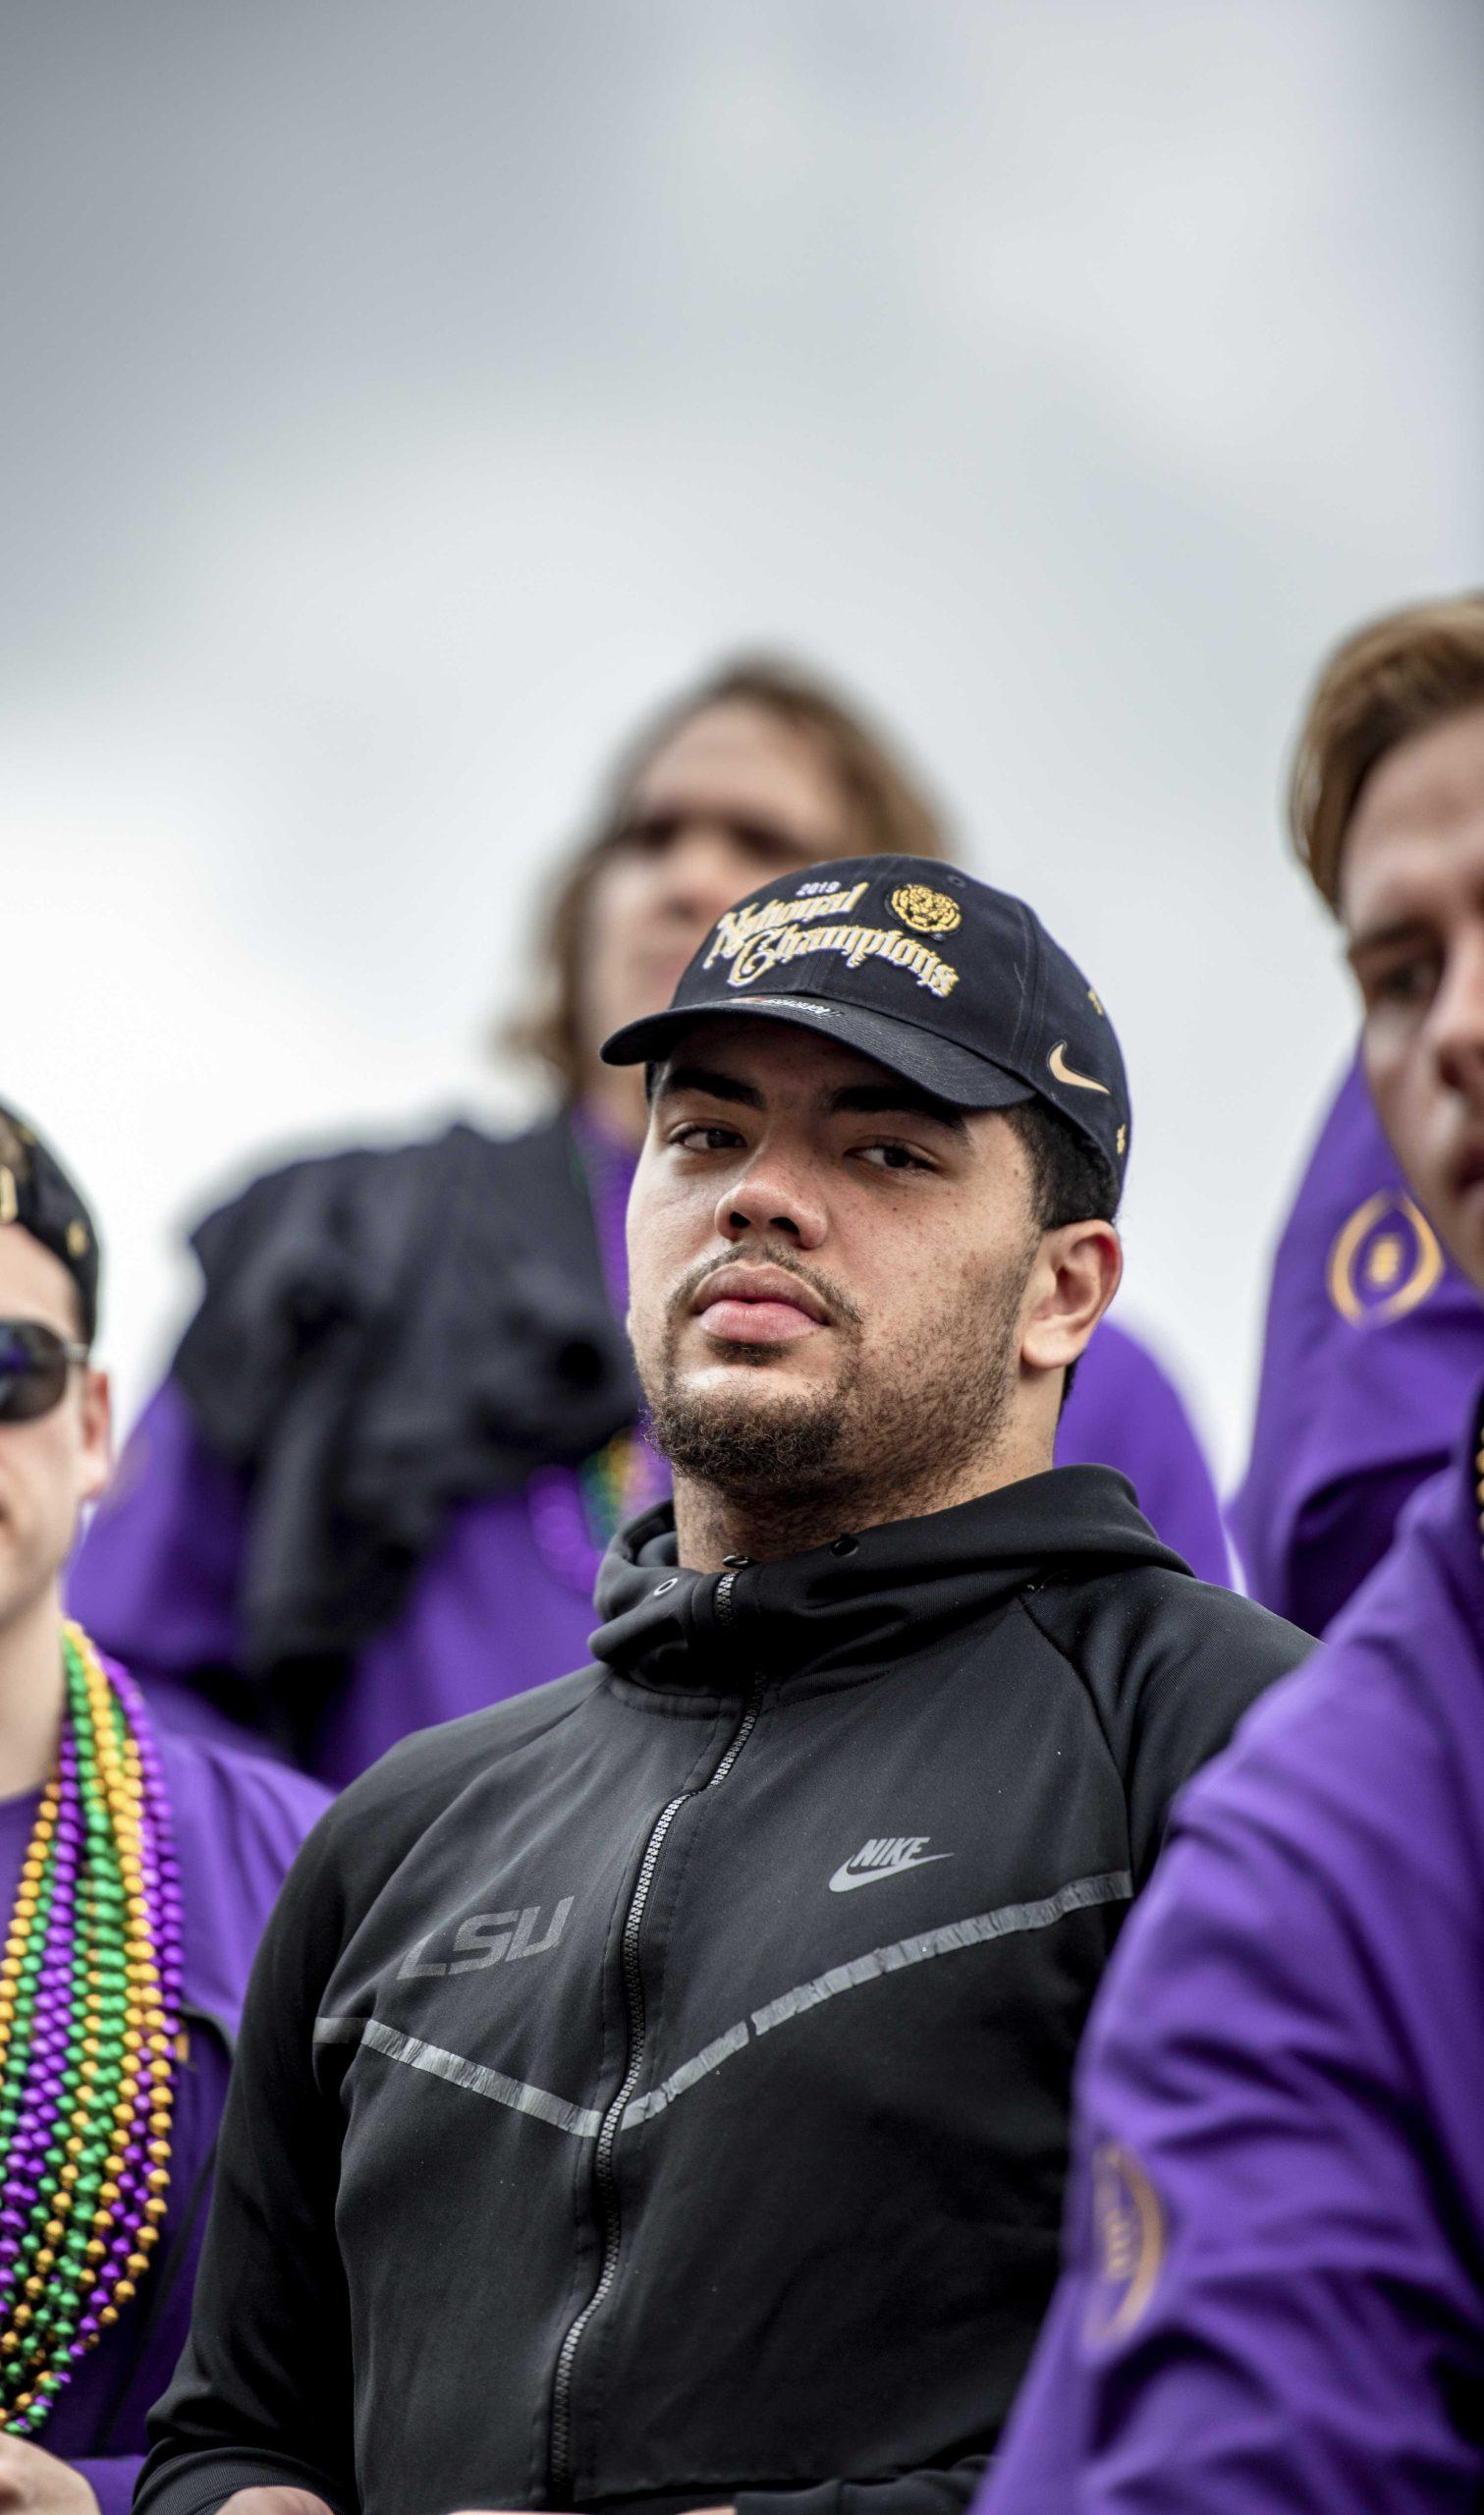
[[695, 1136], [893, 1157]]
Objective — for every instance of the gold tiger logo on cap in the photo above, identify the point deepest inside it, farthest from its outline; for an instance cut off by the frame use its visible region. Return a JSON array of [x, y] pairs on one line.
[[928, 912]]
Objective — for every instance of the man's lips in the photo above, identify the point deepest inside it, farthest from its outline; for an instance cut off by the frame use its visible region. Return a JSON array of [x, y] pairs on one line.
[[758, 1306]]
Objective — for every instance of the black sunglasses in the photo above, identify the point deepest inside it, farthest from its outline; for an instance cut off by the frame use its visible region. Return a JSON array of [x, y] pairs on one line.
[[35, 1361]]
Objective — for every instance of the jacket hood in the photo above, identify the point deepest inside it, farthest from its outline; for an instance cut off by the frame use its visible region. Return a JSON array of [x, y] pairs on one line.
[[870, 1596]]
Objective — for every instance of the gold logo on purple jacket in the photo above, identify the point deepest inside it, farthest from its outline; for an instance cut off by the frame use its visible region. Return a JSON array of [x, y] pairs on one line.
[[1384, 1261], [1127, 2243]]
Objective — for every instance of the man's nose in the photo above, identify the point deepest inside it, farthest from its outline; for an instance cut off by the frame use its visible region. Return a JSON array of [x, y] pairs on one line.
[[774, 1194], [1457, 1018]]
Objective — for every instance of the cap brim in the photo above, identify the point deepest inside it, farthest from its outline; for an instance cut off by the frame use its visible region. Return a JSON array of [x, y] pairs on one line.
[[934, 1064]]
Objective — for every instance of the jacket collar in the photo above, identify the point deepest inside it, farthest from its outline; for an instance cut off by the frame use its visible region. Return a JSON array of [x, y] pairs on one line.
[[867, 1600]]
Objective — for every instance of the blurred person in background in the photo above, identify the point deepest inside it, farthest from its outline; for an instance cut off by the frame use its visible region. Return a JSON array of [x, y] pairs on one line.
[[1274, 2292], [1372, 1328], [656, 2088], [403, 1425], [138, 1871]]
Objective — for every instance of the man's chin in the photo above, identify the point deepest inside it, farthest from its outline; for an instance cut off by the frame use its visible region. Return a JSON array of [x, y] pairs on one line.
[[747, 1428]]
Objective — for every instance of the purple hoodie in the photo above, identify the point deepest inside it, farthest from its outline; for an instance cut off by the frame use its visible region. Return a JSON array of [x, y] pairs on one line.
[[239, 1820], [503, 1602], [1371, 1334], [1273, 2296]]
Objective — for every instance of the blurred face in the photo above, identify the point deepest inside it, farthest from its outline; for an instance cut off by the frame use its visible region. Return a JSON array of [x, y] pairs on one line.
[[838, 1284], [49, 1468], [1411, 898], [733, 797]]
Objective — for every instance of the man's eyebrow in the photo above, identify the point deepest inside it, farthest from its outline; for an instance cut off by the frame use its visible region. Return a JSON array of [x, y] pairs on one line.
[[891, 1099], [706, 1078]]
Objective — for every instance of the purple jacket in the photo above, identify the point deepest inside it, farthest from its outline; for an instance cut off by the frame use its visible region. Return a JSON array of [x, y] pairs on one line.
[[499, 1605], [239, 1820], [1371, 1333], [1273, 2296]]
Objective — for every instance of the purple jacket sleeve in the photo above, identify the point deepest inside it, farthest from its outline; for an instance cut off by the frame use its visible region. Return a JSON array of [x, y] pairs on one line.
[[111, 2478], [1125, 1412], [155, 1580], [1271, 2300]]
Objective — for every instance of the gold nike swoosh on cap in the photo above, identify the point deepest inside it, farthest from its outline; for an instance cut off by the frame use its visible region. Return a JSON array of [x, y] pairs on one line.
[[1065, 1073]]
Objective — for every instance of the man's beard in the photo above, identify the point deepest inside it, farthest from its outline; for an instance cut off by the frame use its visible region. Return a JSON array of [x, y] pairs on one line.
[[862, 1441]]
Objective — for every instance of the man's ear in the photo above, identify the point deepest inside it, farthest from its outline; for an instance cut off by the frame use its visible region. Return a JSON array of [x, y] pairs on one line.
[[1073, 1279], [96, 1455]]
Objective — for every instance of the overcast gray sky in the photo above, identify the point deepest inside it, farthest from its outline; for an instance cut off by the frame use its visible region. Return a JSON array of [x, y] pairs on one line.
[[398, 395]]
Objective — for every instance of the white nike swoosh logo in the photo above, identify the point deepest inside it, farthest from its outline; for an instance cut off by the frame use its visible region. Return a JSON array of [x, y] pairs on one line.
[[1064, 1073], [845, 1877]]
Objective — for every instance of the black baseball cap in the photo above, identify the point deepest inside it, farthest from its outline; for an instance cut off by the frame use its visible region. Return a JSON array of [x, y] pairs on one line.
[[36, 1193], [953, 985]]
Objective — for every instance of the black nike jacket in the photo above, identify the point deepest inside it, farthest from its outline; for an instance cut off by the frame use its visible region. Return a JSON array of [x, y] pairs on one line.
[[654, 2091]]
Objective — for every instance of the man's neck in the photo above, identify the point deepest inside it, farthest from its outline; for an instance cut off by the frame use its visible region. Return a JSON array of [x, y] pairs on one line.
[[712, 1527], [33, 1692]]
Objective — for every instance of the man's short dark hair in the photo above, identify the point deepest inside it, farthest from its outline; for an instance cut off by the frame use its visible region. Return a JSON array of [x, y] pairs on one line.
[[1071, 1180]]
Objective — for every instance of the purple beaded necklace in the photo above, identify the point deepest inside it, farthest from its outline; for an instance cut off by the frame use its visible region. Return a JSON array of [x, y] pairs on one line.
[[89, 2009], [575, 1510]]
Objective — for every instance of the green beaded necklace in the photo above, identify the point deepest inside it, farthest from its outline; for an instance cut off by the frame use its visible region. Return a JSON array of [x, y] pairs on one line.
[[89, 2001]]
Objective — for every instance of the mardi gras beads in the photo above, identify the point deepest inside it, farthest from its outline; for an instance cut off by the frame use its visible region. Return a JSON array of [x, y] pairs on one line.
[[89, 2009]]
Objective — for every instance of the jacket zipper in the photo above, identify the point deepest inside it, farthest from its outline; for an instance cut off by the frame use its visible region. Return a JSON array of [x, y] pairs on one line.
[[604, 2176]]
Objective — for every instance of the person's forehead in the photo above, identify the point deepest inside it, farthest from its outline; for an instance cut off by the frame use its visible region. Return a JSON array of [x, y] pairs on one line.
[[1420, 821], [781, 1059], [734, 756], [35, 1284]]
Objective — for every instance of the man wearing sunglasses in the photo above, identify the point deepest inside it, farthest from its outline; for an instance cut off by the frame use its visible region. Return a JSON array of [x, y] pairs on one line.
[[136, 1872]]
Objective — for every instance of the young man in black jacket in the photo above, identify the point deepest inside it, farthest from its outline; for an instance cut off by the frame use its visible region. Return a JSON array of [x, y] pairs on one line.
[[624, 2117]]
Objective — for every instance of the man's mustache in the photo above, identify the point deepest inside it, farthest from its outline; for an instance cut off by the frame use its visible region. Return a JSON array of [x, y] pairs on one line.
[[837, 1301]]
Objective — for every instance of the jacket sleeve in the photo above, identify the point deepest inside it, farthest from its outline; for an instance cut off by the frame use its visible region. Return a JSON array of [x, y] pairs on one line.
[[1176, 1491], [263, 2393], [945, 2491], [156, 1577], [1193, 1677], [111, 2478], [1263, 2305], [1125, 1412]]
